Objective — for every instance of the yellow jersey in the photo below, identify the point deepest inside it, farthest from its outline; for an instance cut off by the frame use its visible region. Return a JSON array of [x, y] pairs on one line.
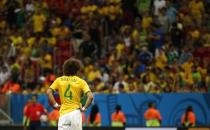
[[38, 22], [70, 89]]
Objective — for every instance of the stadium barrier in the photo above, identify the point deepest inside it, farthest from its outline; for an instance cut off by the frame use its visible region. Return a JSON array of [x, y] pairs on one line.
[[171, 107]]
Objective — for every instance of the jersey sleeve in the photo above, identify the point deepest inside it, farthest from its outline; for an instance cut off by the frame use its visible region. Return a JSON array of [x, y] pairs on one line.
[[54, 85], [85, 87]]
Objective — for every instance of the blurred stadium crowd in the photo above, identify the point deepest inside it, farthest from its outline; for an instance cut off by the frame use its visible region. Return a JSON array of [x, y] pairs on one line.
[[126, 46]]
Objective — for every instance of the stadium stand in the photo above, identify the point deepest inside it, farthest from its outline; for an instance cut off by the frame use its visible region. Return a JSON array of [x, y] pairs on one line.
[[126, 46]]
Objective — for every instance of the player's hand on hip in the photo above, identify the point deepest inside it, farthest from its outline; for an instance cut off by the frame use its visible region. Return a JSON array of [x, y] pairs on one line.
[[83, 109], [56, 105]]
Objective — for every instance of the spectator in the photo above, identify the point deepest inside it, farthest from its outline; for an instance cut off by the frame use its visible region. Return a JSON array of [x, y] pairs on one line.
[[29, 8], [185, 55], [145, 56], [88, 47], [148, 84], [172, 54], [11, 16], [120, 85], [171, 12], [143, 6], [164, 21], [38, 20], [63, 52], [176, 35], [157, 5], [46, 64], [121, 88], [140, 68], [95, 35], [28, 75], [161, 59], [20, 16], [197, 10], [99, 86], [11, 87], [93, 73], [156, 38], [146, 21]]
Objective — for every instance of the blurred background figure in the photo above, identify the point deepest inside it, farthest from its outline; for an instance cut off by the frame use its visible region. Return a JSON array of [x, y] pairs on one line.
[[53, 117], [188, 118], [25, 121], [5, 72], [94, 118], [118, 117], [37, 36], [152, 116], [82, 101], [33, 113], [83, 119]]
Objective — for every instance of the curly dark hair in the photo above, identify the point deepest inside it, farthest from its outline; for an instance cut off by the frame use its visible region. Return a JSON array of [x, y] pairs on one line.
[[71, 66]]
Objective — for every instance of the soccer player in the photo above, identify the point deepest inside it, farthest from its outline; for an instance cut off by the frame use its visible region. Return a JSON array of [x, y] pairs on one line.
[[70, 88]]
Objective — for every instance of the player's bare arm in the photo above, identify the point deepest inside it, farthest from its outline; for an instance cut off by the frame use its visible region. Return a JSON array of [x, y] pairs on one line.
[[88, 102], [51, 98]]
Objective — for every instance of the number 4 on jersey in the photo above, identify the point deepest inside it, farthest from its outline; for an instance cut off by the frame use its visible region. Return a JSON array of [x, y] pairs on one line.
[[68, 93]]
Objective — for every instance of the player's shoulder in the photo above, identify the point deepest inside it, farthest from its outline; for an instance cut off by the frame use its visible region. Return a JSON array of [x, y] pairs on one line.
[[61, 78], [79, 79]]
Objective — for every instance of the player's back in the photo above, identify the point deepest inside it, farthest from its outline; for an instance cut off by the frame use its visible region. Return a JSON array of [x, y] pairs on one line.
[[70, 89]]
